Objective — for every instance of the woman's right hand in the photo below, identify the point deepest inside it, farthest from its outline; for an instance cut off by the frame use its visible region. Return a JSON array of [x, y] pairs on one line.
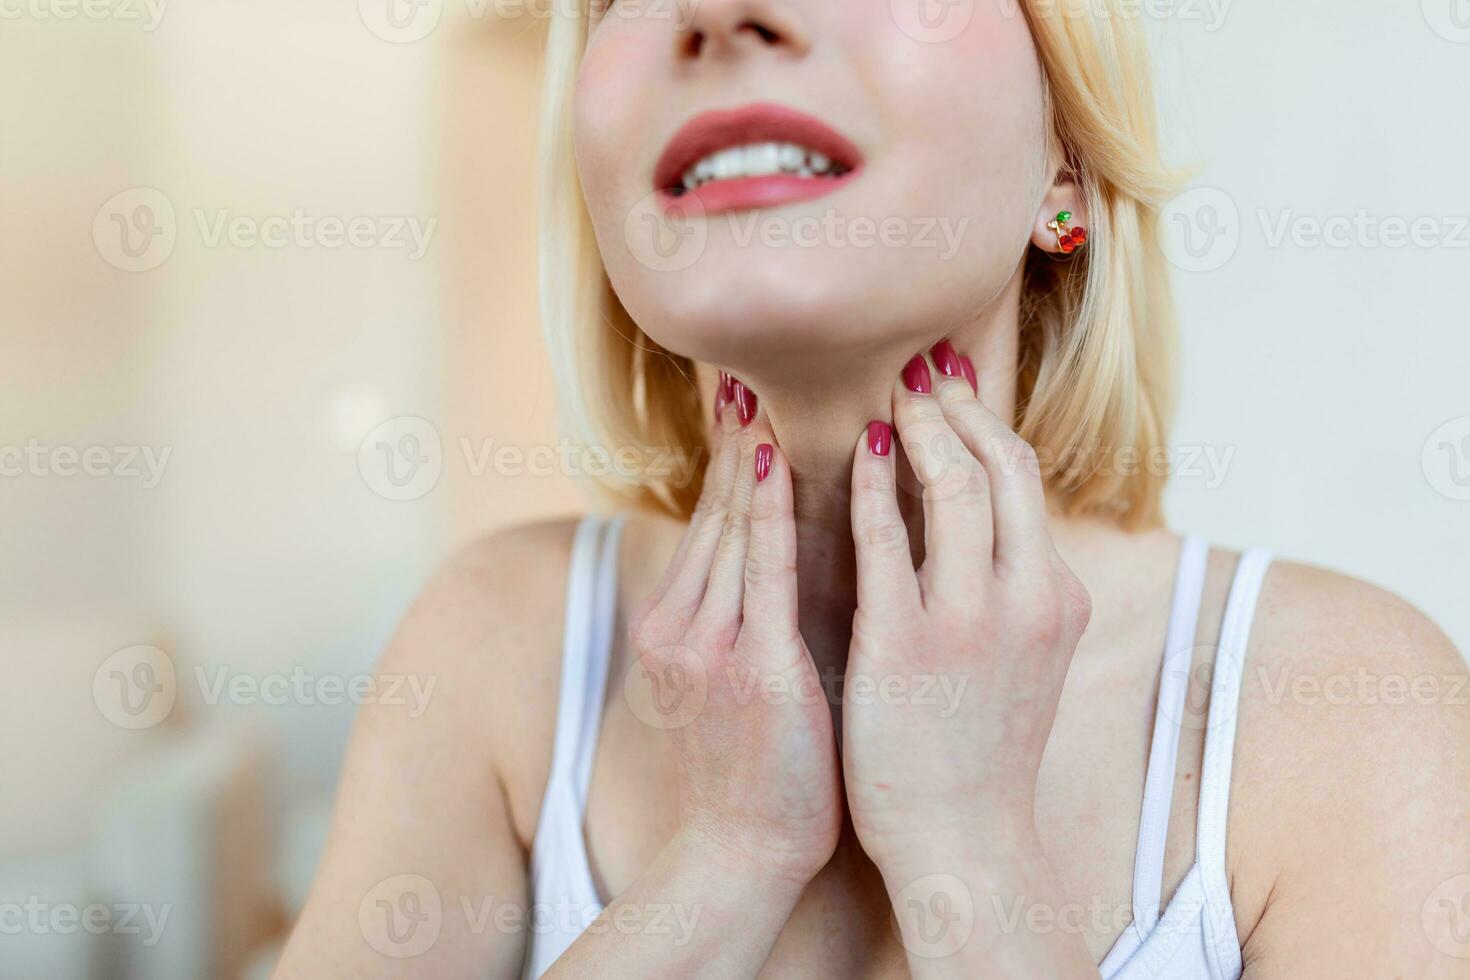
[[723, 669]]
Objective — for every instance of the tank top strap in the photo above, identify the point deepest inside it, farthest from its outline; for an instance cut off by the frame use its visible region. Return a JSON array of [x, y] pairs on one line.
[[590, 618], [1158, 790], [1219, 755]]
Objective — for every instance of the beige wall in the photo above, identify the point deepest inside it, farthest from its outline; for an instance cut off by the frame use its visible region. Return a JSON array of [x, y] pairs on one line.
[[259, 369]]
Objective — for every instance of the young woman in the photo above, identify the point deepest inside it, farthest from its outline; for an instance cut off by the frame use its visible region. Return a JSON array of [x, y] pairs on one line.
[[911, 680]]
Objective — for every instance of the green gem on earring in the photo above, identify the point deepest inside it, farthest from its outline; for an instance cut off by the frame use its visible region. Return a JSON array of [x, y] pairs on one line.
[[1064, 216]]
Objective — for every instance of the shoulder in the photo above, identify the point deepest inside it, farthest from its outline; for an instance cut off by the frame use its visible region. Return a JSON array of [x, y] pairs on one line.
[[488, 627], [1330, 648], [492, 608], [486, 631], [425, 784], [1353, 776]]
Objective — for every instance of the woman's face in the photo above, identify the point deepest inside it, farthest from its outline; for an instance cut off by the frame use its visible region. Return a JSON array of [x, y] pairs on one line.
[[789, 175]]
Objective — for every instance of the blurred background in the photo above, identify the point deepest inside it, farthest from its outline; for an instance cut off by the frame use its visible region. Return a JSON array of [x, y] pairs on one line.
[[269, 353]]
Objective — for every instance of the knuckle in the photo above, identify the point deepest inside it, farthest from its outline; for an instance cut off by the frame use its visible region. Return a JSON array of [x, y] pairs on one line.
[[1046, 621], [763, 564], [651, 629], [883, 535], [735, 531], [874, 480], [1078, 601], [711, 636], [965, 412]]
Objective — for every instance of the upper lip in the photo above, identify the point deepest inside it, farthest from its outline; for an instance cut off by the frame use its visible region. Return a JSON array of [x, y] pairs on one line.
[[759, 123]]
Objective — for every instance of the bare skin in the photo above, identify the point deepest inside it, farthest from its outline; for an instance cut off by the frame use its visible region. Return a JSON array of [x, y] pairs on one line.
[[1344, 816]]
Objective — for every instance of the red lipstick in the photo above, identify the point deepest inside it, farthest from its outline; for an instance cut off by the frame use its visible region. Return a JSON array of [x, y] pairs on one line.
[[761, 123]]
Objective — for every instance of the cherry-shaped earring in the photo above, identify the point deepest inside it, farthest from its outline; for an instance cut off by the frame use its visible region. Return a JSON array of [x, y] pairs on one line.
[[1069, 240]]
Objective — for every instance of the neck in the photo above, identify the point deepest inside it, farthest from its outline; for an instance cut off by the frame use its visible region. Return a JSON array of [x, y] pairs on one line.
[[818, 418]]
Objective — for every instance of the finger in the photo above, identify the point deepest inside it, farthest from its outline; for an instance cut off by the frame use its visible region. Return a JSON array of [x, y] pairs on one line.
[[958, 526], [886, 582], [721, 605], [769, 611], [684, 580], [1018, 497]]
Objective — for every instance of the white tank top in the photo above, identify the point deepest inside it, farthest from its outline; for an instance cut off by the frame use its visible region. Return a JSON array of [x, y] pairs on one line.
[[1193, 938]]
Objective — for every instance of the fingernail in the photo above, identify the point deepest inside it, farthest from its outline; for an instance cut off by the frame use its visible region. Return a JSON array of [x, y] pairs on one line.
[[726, 386], [721, 400], [968, 367], [916, 376], [763, 454], [880, 438], [745, 403], [946, 359]]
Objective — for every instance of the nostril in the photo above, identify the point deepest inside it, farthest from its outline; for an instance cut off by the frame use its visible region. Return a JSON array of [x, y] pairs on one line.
[[695, 44], [762, 31]]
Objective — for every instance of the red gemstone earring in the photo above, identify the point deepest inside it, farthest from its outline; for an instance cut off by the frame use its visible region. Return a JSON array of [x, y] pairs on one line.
[[1069, 240]]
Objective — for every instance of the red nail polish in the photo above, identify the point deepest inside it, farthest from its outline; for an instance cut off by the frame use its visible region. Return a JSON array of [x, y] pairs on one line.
[[763, 454], [946, 359], [727, 386], [880, 438], [745, 403], [968, 367], [916, 376]]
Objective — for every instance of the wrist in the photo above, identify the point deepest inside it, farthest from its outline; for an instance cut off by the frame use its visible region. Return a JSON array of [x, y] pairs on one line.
[[996, 841], [741, 870]]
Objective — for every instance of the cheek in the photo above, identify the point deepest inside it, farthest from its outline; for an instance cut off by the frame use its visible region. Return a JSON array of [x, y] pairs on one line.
[[969, 119], [610, 114]]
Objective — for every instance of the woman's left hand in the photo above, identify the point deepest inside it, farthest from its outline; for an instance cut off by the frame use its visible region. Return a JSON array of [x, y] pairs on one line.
[[955, 669]]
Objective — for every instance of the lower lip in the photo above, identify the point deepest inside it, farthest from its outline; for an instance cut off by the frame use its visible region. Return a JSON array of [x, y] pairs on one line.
[[750, 193]]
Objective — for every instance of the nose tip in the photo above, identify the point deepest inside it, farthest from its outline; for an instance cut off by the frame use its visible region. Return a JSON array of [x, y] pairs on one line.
[[713, 27]]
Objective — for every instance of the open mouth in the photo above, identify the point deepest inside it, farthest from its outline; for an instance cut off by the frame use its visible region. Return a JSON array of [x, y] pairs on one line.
[[756, 156]]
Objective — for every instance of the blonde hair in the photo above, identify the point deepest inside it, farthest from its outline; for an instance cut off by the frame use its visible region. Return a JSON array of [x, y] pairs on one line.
[[1095, 385]]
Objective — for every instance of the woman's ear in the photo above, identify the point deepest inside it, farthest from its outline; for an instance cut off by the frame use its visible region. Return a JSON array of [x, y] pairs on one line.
[[1063, 210]]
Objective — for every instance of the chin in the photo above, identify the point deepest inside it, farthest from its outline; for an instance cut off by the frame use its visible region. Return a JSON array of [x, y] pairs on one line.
[[732, 308], [739, 307]]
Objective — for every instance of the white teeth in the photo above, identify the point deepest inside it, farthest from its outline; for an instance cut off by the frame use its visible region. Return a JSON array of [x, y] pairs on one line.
[[728, 163], [763, 160], [759, 160]]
